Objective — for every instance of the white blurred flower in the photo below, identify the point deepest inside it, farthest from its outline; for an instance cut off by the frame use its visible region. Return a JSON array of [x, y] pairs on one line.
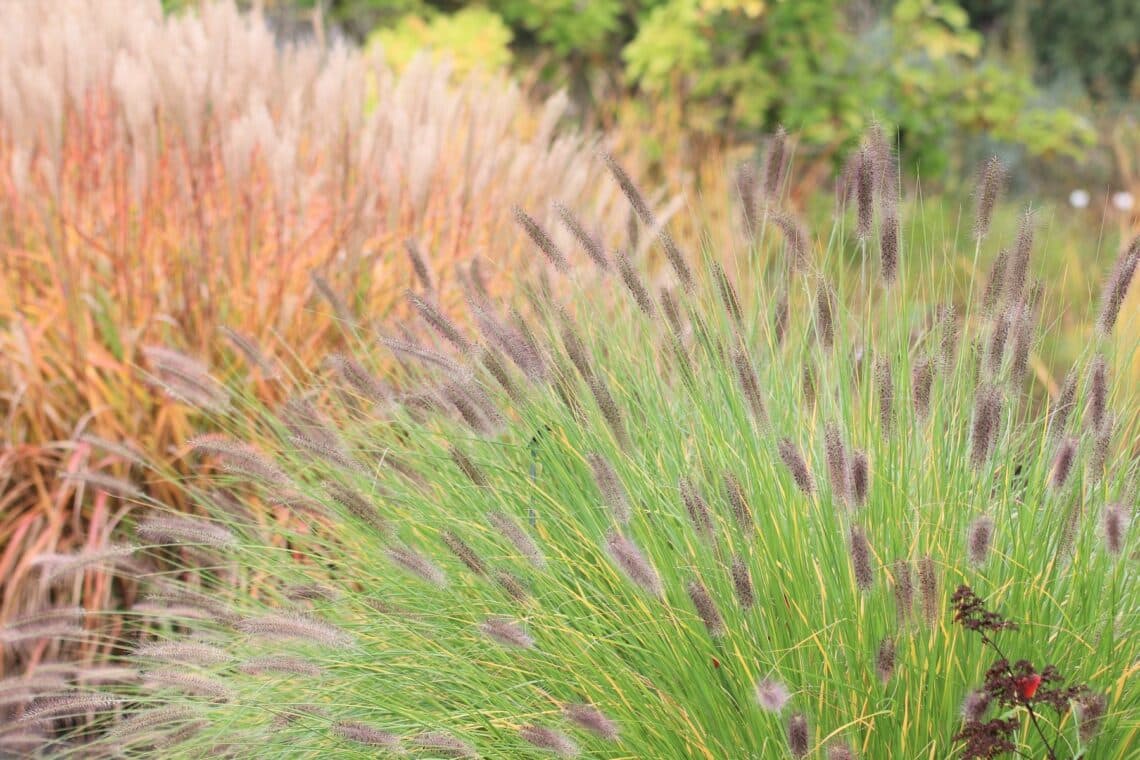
[[1079, 198], [1123, 200]]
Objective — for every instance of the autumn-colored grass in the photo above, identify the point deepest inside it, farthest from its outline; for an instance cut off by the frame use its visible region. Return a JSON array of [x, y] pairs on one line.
[[162, 178]]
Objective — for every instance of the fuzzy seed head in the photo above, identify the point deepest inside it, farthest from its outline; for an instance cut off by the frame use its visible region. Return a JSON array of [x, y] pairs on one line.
[[859, 478], [974, 706], [750, 386], [772, 695], [825, 316], [796, 240], [775, 163], [1098, 393], [928, 584], [699, 513], [589, 243], [591, 719], [840, 752], [706, 609], [837, 469], [921, 382], [1091, 709], [610, 486], [861, 562], [1115, 527], [523, 543], [363, 733], [742, 582], [634, 284], [736, 501], [541, 239], [445, 745], [798, 735], [864, 193], [885, 388], [418, 565], [889, 247], [746, 194], [979, 538], [507, 633], [885, 659], [464, 553], [1116, 287], [633, 563], [904, 590], [1063, 462], [991, 178], [794, 461], [550, 740]]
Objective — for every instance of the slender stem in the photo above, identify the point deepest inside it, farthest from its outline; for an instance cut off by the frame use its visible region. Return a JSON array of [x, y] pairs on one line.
[[1025, 701]]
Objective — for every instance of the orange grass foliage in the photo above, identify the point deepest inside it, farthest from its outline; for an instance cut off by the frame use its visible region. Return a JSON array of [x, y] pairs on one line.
[[163, 177]]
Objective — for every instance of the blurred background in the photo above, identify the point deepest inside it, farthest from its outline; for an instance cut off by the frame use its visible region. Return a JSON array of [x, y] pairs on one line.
[[218, 177]]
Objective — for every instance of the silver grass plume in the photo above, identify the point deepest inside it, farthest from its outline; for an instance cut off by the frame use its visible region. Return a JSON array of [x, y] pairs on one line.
[[633, 563], [541, 239]]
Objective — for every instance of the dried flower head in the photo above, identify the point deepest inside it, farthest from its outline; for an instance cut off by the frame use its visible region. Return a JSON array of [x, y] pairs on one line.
[[928, 585], [864, 193], [1063, 462], [903, 588], [885, 659], [634, 284], [859, 477], [889, 247], [541, 239], [1098, 393], [750, 386], [465, 553], [363, 733], [589, 243], [437, 742], [737, 502], [698, 509], [837, 469], [825, 316]]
